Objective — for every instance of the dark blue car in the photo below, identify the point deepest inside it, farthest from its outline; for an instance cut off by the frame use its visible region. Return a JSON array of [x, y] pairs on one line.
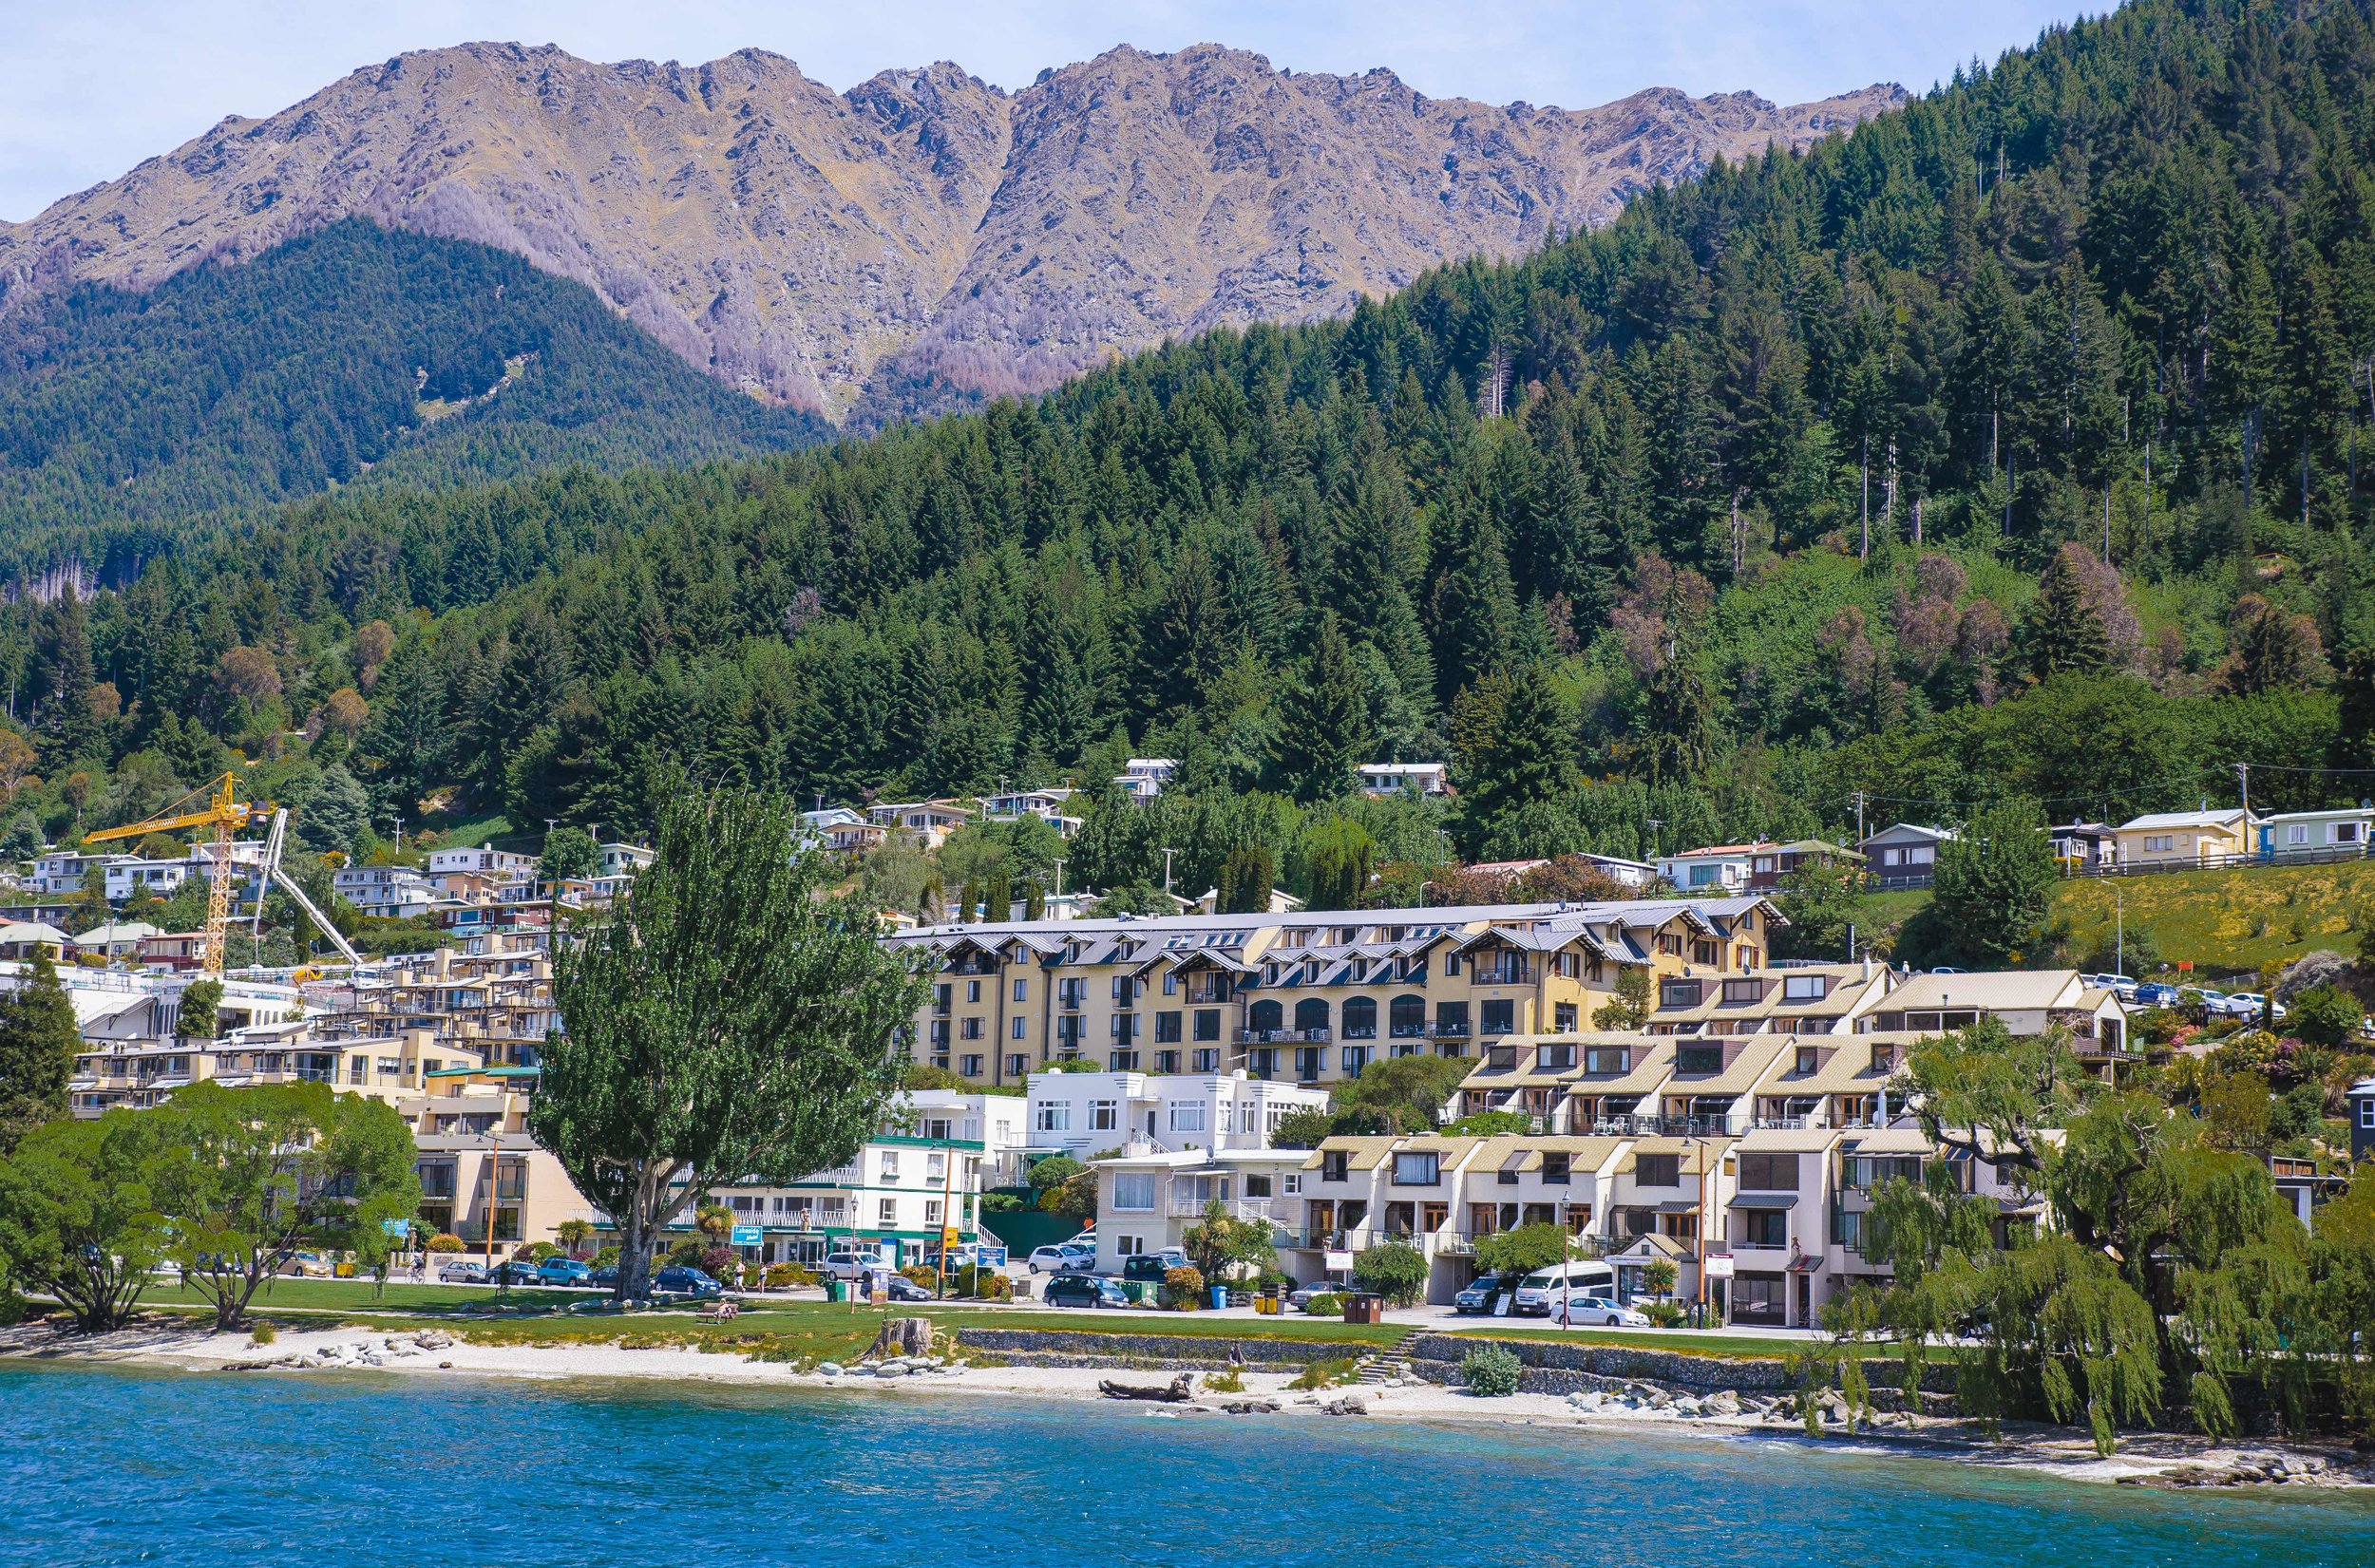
[[674, 1280], [1084, 1290], [2151, 994]]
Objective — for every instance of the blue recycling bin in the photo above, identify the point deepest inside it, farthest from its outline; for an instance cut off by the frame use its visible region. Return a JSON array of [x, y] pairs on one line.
[[1219, 1296]]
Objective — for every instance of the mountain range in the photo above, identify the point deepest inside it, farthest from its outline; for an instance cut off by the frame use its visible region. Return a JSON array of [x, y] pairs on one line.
[[924, 239]]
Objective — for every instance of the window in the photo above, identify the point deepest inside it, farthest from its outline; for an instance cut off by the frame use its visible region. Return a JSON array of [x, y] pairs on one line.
[[931, 1213], [1133, 1191], [1290, 1186], [1736, 993], [1553, 1058], [2346, 833], [972, 1029], [1884, 1058], [1498, 1017], [1418, 1170], [1809, 1058], [2155, 843], [1022, 990], [1053, 1117], [1170, 982], [1335, 1165], [1563, 1017], [1658, 1170], [2367, 1114], [1764, 1228], [1769, 1173], [970, 1064], [1207, 1061], [886, 1212], [1355, 1060], [973, 990], [1805, 988], [1167, 1028], [890, 1164], [2297, 833], [1018, 1064], [1555, 1168], [1187, 1115], [1450, 1018], [355, 1069], [1599, 1059], [1021, 1028], [1104, 1115], [1678, 993], [1702, 1059]]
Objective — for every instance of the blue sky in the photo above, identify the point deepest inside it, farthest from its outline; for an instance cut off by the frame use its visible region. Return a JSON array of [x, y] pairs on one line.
[[89, 88]]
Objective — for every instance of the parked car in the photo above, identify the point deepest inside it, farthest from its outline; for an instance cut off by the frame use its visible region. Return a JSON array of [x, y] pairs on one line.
[[463, 1270], [1150, 1268], [563, 1270], [605, 1277], [2121, 986], [1589, 1310], [2151, 994], [1481, 1294], [1301, 1298], [848, 1263], [674, 1280], [514, 1270], [904, 1288], [1063, 1257], [1543, 1290], [2252, 1005], [1084, 1290]]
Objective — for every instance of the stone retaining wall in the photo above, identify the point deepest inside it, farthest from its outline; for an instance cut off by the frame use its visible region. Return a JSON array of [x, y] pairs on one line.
[[1075, 1347], [1552, 1367]]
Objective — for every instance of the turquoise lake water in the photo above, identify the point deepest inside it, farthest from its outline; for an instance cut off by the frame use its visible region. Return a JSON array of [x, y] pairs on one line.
[[114, 1466]]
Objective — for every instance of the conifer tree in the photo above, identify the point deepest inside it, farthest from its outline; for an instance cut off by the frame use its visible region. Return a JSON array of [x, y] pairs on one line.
[[1323, 727], [38, 1043]]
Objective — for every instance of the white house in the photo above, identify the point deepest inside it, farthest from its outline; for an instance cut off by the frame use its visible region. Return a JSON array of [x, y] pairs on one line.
[[1145, 776], [2334, 834], [129, 874], [842, 830], [931, 821], [392, 892], [496, 864], [62, 871], [1719, 866], [1393, 778], [1046, 805], [625, 859], [1147, 1202], [1086, 1113]]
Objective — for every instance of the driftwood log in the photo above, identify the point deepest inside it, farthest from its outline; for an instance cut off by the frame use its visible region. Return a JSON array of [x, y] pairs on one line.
[[1178, 1392]]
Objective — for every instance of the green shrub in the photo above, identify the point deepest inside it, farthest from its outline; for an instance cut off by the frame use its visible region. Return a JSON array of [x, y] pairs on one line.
[[539, 1251], [1490, 1372], [1000, 1202], [1328, 1373], [1183, 1288], [1324, 1304], [1395, 1270], [983, 1284], [784, 1277], [685, 1253], [1663, 1314], [927, 1277], [1229, 1382], [607, 1257], [262, 1332], [441, 1242]]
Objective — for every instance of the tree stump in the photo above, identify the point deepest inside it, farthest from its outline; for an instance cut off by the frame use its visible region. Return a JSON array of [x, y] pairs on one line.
[[905, 1336]]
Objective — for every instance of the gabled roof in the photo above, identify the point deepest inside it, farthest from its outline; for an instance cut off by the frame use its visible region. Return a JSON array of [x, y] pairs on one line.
[[2182, 818], [1993, 991]]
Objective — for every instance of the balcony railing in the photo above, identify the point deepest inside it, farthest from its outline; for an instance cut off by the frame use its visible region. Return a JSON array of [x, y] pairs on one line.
[[1186, 1207], [1284, 1036], [1353, 1032]]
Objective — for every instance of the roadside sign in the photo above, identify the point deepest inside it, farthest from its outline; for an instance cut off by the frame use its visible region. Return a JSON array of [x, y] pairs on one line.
[[748, 1236], [397, 1228], [1719, 1265], [1338, 1262], [950, 1236]]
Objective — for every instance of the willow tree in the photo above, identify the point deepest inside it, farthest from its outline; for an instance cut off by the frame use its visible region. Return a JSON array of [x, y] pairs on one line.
[[726, 1022]]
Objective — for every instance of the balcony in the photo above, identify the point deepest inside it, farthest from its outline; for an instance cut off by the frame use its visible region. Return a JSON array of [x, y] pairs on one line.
[[1186, 1207], [1284, 1036], [1448, 1031]]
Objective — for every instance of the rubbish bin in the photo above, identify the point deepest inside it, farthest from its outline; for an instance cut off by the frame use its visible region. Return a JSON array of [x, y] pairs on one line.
[[1219, 1296], [1364, 1308], [836, 1290]]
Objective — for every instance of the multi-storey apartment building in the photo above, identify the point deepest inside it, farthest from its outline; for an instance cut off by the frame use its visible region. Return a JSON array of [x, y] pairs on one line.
[[1312, 996], [1082, 1114]]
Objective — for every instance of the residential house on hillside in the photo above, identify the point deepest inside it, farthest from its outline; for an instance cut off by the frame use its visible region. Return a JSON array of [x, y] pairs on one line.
[[841, 830], [2170, 840], [2025, 1002], [1047, 805], [2085, 846], [1903, 856], [1144, 778], [1719, 867], [1379, 779], [929, 821], [2338, 833], [1771, 862]]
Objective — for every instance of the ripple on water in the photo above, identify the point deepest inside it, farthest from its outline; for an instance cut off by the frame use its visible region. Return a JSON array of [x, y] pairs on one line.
[[107, 1465]]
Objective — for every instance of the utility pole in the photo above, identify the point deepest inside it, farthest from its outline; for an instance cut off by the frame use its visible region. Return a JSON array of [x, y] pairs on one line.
[[2119, 931], [1859, 818], [2243, 777], [1060, 880], [1166, 870]]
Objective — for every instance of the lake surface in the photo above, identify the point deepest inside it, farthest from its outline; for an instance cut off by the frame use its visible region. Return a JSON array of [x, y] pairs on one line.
[[107, 1465]]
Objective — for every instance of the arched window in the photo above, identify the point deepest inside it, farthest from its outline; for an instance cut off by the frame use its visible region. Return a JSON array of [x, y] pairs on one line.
[[1408, 1018], [1311, 1013], [1360, 1018], [1267, 1015]]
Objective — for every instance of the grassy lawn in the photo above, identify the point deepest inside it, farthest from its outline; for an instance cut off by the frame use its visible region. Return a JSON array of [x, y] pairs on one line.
[[1721, 1346], [2225, 922], [284, 1295], [2228, 922]]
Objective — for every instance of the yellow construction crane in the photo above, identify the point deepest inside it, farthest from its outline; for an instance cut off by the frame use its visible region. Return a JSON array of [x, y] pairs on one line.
[[224, 813]]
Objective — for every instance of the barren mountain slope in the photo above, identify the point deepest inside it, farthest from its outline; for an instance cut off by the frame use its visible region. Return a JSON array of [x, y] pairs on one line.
[[803, 244]]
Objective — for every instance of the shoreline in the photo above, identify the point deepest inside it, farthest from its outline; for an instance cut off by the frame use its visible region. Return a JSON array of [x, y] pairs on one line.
[[2163, 1461]]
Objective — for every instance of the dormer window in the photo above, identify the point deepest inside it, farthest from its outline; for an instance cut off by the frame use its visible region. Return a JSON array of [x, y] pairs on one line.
[[1808, 1060]]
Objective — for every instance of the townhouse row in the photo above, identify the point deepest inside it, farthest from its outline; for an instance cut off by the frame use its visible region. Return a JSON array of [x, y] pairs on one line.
[[1307, 998]]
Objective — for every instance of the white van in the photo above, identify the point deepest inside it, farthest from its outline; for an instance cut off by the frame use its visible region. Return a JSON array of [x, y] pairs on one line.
[[1539, 1291]]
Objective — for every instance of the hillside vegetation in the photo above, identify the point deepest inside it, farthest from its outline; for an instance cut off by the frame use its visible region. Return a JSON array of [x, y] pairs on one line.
[[1791, 484], [353, 353]]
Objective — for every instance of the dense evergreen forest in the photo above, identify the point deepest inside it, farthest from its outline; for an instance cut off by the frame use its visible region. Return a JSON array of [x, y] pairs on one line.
[[354, 352], [2006, 448]]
